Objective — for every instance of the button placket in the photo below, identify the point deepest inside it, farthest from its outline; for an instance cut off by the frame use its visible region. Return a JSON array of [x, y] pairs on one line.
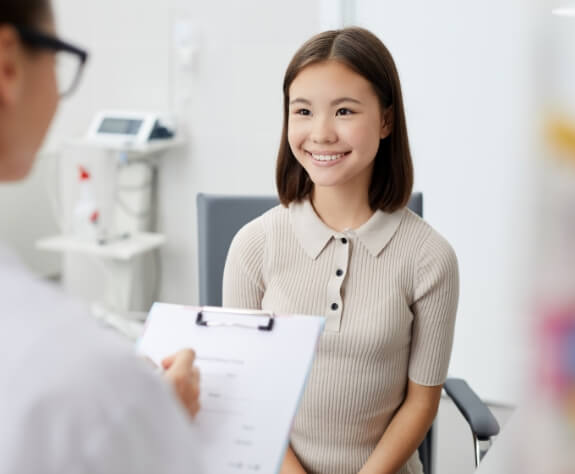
[[336, 281]]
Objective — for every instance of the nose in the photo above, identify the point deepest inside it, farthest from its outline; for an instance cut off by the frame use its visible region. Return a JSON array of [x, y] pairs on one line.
[[323, 131]]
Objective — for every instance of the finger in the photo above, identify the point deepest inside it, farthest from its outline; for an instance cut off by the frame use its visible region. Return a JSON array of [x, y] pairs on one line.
[[168, 361], [196, 375], [194, 402], [195, 408], [184, 359]]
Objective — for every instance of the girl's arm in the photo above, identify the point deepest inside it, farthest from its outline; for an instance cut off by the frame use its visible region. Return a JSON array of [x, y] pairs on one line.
[[406, 431], [436, 292], [243, 282], [291, 464]]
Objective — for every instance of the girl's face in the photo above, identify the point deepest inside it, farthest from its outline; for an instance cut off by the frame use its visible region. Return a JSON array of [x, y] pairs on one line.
[[335, 125]]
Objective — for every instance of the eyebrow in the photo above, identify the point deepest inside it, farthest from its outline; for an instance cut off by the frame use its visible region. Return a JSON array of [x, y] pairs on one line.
[[300, 100]]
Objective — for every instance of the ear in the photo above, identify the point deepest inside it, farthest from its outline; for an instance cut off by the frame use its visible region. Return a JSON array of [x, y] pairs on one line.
[[386, 122], [10, 65]]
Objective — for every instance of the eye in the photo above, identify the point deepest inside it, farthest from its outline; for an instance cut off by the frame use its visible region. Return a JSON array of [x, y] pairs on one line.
[[304, 112], [344, 111]]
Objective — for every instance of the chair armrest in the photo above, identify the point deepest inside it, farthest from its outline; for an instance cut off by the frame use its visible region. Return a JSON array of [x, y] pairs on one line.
[[479, 417]]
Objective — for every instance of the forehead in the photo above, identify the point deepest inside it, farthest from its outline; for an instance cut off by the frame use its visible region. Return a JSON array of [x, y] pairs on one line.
[[328, 79]]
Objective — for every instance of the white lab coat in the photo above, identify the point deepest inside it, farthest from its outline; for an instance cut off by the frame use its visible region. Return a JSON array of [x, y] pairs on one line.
[[73, 396]]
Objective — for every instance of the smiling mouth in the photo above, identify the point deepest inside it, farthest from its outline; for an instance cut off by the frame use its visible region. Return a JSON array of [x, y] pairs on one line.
[[324, 157]]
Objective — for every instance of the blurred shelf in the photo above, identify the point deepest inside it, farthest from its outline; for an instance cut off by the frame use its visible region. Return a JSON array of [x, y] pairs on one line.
[[150, 147], [122, 249]]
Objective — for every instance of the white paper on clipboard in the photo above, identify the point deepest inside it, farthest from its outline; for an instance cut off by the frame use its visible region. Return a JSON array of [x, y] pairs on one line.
[[252, 378]]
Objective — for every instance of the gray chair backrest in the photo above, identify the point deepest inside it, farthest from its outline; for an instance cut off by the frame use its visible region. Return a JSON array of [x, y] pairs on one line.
[[416, 203], [219, 219]]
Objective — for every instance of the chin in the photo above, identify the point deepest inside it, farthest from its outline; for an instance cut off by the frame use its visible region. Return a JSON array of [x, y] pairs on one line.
[[325, 183]]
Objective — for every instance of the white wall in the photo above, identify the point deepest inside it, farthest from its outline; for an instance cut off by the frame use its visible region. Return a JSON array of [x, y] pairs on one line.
[[468, 87]]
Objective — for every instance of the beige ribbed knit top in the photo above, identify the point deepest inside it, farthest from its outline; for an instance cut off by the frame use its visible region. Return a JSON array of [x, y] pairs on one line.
[[389, 291]]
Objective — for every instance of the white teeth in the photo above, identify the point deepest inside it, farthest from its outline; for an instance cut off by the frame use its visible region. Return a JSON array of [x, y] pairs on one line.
[[327, 157]]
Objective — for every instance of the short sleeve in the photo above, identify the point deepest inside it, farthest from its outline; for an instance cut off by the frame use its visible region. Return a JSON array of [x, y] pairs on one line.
[[434, 308], [243, 282]]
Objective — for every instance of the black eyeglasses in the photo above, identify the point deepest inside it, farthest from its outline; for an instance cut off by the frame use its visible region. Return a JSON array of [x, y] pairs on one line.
[[70, 60]]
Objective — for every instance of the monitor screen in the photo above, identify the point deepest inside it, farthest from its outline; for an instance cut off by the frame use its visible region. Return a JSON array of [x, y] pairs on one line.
[[120, 126]]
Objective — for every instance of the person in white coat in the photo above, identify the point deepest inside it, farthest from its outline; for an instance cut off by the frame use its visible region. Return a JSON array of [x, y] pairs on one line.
[[74, 398]]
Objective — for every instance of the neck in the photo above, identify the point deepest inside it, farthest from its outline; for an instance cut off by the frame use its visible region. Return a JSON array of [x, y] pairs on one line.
[[339, 209]]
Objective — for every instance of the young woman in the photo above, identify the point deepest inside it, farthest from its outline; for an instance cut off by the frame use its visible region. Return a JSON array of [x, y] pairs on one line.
[[344, 246], [73, 398]]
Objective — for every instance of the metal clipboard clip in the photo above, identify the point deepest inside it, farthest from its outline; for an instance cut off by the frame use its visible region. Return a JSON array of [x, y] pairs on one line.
[[202, 321]]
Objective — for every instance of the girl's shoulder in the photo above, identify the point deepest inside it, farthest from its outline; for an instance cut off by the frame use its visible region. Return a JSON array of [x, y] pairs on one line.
[[412, 222], [423, 235], [253, 233], [276, 216]]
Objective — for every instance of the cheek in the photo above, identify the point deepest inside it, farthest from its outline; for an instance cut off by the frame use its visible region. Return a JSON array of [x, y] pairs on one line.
[[44, 88], [43, 101], [363, 137], [52, 94], [295, 136]]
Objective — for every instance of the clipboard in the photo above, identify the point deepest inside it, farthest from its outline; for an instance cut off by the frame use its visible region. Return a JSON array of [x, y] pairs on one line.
[[253, 368], [235, 321]]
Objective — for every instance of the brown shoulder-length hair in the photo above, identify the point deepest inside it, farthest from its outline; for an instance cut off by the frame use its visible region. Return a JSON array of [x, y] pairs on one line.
[[361, 51]]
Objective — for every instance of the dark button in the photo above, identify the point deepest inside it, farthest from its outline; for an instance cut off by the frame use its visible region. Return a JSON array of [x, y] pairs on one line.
[[334, 306], [343, 240], [339, 272]]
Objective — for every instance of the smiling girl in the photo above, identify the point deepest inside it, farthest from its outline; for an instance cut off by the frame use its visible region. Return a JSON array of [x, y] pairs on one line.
[[343, 245]]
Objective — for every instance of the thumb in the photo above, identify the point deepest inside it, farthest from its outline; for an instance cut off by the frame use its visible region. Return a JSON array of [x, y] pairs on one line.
[[168, 361], [184, 358]]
